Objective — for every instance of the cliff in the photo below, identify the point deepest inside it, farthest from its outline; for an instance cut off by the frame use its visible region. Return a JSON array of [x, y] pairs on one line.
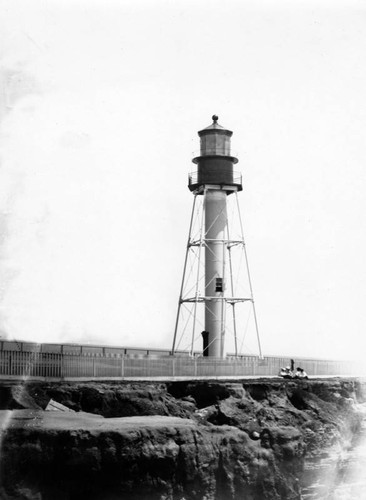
[[170, 441]]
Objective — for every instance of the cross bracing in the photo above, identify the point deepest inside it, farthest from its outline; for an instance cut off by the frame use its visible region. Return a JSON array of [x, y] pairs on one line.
[[237, 289]]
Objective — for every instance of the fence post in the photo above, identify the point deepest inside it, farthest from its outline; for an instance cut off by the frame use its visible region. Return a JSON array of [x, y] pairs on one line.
[[61, 365], [195, 366], [94, 367], [173, 366], [123, 366]]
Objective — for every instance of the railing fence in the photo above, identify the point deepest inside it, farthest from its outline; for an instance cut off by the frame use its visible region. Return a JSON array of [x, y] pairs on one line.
[[56, 365]]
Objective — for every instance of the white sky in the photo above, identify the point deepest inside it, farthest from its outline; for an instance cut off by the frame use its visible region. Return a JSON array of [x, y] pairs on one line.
[[100, 106]]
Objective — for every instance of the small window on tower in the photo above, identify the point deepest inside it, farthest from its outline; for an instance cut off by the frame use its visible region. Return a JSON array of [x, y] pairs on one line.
[[219, 287]]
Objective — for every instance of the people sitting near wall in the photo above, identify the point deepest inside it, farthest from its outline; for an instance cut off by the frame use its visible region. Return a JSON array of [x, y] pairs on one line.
[[286, 372], [301, 373], [289, 372], [282, 372]]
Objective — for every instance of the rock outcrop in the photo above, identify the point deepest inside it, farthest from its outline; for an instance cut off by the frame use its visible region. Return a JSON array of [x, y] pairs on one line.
[[190, 440]]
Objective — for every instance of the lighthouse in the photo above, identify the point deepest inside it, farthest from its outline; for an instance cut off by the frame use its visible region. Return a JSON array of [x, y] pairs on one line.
[[213, 181]]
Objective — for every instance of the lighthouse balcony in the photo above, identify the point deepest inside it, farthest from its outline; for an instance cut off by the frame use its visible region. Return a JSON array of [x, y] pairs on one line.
[[228, 181]]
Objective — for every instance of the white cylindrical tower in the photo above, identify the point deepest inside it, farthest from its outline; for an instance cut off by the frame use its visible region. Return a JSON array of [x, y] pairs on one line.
[[215, 233]]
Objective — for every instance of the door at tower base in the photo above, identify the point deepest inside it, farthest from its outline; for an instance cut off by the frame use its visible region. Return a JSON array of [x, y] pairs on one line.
[[205, 343], [215, 235]]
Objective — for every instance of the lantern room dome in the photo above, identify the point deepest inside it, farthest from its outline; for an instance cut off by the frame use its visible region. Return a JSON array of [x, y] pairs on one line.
[[214, 125]]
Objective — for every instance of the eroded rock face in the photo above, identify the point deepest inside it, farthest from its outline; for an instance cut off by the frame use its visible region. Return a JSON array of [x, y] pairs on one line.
[[54, 455], [177, 441]]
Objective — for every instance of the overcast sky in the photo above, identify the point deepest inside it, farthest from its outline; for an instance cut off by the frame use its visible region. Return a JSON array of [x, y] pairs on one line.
[[100, 106]]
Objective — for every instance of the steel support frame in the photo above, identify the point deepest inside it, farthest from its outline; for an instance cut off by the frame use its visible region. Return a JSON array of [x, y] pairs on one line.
[[196, 299]]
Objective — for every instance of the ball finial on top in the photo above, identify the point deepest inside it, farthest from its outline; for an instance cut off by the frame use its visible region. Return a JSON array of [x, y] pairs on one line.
[[215, 118]]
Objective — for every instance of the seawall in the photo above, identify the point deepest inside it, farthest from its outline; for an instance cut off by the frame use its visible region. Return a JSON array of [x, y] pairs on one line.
[[178, 440]]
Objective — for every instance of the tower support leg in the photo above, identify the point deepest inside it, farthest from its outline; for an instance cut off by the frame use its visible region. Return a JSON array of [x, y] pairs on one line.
[[184, 274], [249, 279]]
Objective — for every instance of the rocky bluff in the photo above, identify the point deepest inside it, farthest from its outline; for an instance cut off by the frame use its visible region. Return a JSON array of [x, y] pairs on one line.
[[182, 440]]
